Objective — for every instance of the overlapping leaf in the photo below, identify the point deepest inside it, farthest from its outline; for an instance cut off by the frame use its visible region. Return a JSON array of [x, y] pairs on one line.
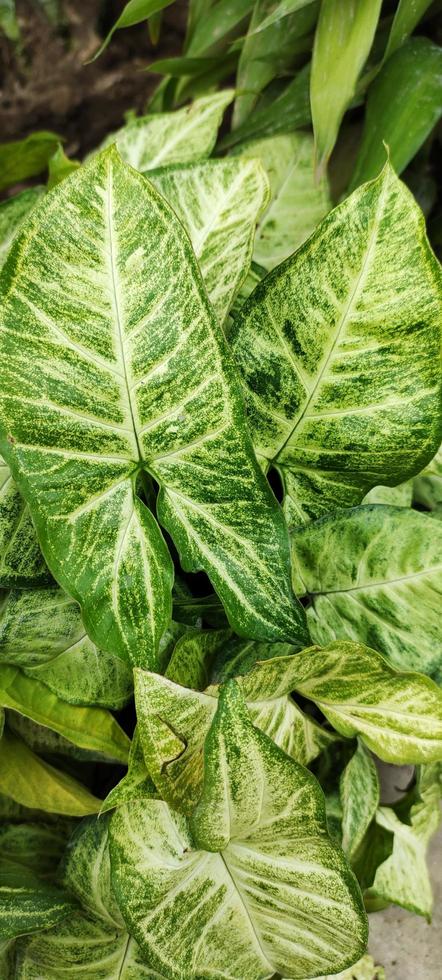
[[12, 214], [33, 783], [427, 485], [21, 561], [359, 792], [339, 352]]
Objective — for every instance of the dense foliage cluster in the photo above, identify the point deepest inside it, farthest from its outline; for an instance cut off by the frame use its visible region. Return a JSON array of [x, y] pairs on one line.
[[220, 508]]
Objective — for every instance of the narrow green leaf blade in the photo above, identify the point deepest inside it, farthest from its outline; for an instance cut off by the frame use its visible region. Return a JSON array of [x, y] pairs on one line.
[[359, 793], [134, 12], [408, 14]]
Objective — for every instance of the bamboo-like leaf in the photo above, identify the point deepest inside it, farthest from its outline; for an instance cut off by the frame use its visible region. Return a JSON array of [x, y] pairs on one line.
[[374, 575], [282, 9], [89, 728], [408, 14], [359, 792], [427, 485], [121, 407], [164, 138], [276, 855], [339, 352], [134, 12], [21, 561], [343, 39], [12, 214], [364, 969], [404, 104], [42, 633], [289, 110], [34, 783], [297, 203], [219, 202]]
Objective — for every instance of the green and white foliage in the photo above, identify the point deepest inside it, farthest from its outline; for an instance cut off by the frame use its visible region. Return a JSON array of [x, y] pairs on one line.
[[90, 401], [219, 202], [339, 352], [12, 214], [30, 781], [400, 496], [427, 485], [298, 201], [364, 969], [374, 575], [359, 793], [42, 633], [135, 784], [182, 136], [253, 884], [21, 561]]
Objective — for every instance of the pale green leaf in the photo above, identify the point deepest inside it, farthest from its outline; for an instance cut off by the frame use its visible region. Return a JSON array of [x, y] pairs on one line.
[[400, 496], [278, 898], [89, 728], [339, 352], [46, 742], [359, 792], [408, 14], [25, 158], [21, 561], [41, 631], [364, 969], [12, 214], [183, 136], [59, 167], [427, 485], [122, 407], [219, 202], [398, 715], [34, 783], [374, 575], [297, 203], [135, 784], [343, 39], [86, 871]]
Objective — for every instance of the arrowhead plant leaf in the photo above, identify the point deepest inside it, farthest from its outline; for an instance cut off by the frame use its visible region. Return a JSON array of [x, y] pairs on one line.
[[21, 561], [339, 351], [360, 794], [148, 384]]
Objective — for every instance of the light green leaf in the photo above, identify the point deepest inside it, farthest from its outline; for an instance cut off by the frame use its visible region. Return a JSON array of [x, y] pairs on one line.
[[12, 214], [41, 631], [183, 136], [206, 913], [339, 352], [135, 784], [86, 871], [8, 20], [398, 715], [134, 12], [343, 39], [21, 561], [218, 202], [400, 496], [209, 28], [279, 12], [25, 158], [404, 104], [34, 783], [89, 728], [427, 485], [359, 792], [408, 14], [298, 202], [122, 407], [374, 575], [364, 969], [59, 167]]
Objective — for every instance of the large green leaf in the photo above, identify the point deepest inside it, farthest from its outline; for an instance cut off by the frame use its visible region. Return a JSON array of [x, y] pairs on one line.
[[339, 352], [297, 203], [76, 446], [89, 728], [219, 202], [254, 884], [183, 136], [12, 214], [404, 104], [41, 631], [34, 783], [343, 39], [374, 575], [25, 158], [359, 792], [427, 485], [21, 561]]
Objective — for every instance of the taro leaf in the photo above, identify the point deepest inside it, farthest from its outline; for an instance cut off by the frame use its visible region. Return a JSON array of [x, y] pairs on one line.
[[348, 332], [218, 202], [404, 104], [173, 720], [212, 27], [12, 214], [374, 575], [427, 485], [281, 10], [136, 784], [89, 728], [134, 12], [266, 816], [403, 878], [59, 167], [25, 158], [359, 792], [298, 202], [89, 401], [21, 561], [343, 39], [34, 783], [289, 110], [183, 136], [398, 715], [400, 496], [408, 14], [42, 633]]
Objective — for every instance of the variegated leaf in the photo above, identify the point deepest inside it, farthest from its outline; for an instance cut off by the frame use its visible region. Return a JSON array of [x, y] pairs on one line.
[[21, 561], [364, 969], [339, 352], [12, 214], [253, 885], [42, 633], [135, 784], [90, 400], [298, 201], [182, 136], [29, 780], [29, 905], [400, 496], [374, 575], [427, 485], [359, 792], [218, 202]]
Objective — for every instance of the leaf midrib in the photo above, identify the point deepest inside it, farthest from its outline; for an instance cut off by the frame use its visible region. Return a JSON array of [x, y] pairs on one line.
[[426, 572]]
